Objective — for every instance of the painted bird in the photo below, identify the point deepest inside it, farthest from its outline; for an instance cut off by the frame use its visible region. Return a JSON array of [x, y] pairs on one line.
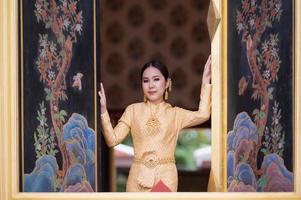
[[77, 82], [242, 85]]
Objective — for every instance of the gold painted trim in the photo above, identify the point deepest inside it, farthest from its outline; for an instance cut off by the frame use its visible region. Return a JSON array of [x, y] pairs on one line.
[[3, 92], [297, 125], [217, 159], [293, 93], [22, 89], [225, 92], [95, 94]]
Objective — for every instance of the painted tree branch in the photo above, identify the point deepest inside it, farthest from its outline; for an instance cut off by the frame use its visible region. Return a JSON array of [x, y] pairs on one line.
[[252, 21], [64, 21], [261, 85]]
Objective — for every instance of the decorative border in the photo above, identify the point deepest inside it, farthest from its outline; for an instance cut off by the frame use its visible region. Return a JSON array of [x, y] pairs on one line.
[[9, 113]]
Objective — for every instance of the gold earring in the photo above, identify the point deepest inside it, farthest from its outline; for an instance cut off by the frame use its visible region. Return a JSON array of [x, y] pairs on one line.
[[169, 87], [166, 94], [144, 98]]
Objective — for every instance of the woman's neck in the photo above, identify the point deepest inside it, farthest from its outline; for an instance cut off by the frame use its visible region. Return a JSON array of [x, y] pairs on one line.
[[156, 102]]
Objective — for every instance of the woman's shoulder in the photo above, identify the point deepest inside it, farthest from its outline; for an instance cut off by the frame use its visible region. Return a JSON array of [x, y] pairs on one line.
[[178, 109]]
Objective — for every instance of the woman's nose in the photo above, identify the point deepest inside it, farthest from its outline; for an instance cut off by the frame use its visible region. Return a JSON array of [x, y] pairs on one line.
[[151, 84]]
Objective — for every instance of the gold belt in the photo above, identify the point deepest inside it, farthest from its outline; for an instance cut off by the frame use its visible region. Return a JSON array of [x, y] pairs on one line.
[[153, 162]]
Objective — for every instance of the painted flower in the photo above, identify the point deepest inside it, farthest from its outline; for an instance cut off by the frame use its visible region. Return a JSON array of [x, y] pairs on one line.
[[274, 40], [66, 23], [78, 28], [43, 40], [276, 121], [265, 46], [43, 121], [51, 75], [53, 47], [240, 27], [278, 6], [38, 146], [38, 7], [252, 22], [64, 2], [43, 110], [43, 53], [280, 145], [266, 74]]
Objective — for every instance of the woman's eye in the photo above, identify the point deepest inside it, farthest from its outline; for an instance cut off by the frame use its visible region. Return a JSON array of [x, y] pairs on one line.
[[145, 81], [157, 79]]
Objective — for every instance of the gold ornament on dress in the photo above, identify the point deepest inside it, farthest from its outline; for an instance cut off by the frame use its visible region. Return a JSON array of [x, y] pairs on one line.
[[153, 124]]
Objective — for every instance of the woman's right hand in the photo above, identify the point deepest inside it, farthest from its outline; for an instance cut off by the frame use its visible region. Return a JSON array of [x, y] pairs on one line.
[[102, 100], [207, 71]]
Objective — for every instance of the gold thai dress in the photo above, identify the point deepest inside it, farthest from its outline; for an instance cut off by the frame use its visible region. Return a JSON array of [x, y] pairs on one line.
[[154, 130]]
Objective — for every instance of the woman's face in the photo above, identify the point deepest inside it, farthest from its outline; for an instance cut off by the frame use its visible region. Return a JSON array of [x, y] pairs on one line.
[[153, 84]]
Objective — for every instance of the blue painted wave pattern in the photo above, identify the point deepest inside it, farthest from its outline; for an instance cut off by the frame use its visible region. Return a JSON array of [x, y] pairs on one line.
[[241, 176], [80, 176]]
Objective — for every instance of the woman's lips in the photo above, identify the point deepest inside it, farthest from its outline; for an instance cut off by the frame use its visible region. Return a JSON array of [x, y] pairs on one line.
[[151, 93]]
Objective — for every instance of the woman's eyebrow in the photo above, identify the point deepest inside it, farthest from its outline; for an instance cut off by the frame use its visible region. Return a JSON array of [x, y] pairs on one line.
[[155, 76]]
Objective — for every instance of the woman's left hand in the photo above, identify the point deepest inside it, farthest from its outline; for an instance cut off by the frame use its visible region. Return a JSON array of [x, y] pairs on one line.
[[207, 71]]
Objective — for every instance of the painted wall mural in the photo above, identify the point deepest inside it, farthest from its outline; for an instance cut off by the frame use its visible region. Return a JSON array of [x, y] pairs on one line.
[[58, 96], [260, 84]]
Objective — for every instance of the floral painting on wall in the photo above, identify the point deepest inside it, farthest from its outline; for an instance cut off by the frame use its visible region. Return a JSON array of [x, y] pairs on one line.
[[58, 96], [260, 85]]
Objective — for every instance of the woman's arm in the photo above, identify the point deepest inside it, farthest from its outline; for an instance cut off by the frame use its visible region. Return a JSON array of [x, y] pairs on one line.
[[192, 118], [116, 135]]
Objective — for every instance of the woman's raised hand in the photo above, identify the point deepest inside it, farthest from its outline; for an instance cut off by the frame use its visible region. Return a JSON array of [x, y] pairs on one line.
[[207, 71], [102, 100]]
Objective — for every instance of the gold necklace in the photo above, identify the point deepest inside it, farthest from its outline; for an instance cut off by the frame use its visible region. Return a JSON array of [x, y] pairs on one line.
[[153, 123]]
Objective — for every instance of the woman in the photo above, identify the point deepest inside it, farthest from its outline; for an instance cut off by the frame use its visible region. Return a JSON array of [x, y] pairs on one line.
[[155, 125]]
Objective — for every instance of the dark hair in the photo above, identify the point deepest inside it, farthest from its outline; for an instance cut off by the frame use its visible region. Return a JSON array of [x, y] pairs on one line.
[[158, 65]]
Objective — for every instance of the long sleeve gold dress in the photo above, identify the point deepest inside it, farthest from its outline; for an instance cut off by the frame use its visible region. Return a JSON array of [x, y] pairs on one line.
[[154, 130]]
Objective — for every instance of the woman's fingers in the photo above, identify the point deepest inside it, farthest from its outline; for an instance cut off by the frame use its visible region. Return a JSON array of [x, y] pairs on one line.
[[101, 92], [208, 66], [102, 100], [101, 88], [208, 60], [207, 71]]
